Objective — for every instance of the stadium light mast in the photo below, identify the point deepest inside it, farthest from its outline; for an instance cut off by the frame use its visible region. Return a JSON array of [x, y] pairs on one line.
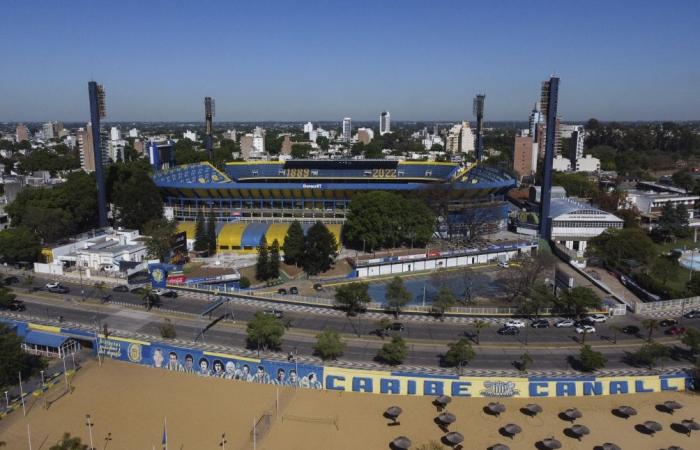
[[551, 90], [478, 110], [97, 112], [209, 111]]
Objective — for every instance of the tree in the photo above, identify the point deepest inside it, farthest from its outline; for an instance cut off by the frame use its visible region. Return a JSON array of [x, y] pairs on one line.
[[6, 297], [616, 329], [650, 325], [262, 266], [524, 362], [539, 297], [323, 143], [394, 352], [13, 360], [663, 269], [19, 244], [211, 233], [684, 179], [590, 359], [478, 326], [443, 300], [301, 151], [201, 240], [264, 332], [691, 338], [529, 272], [244, 283], [167, 330], [69, 443], [320, 250], [329, 345], [397, 296], [160, 234], [136, 198], [273, 268], [650, 354], [459, 353], [614, 246], [150, 298], [293, 245], [352, 297], [577, 301]]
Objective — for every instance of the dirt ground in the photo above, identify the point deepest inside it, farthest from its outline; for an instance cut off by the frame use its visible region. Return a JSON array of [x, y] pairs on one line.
[[131, 402]]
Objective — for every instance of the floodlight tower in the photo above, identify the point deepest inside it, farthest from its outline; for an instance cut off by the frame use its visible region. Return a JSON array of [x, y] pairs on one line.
[[209, 111], [97, 112], [550, 93], [479, 113]]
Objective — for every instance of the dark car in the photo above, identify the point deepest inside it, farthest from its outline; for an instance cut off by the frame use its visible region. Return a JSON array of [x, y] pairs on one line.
[[692, 314], [282, 291], [15, 305], [59, 289], [668, 322], [10, 280], [396, 326], [294, 290], [675, 331], [584, 321], [121, 288], [540, 323], [318, 287], [630, 329], [276, 313], [508, 331]]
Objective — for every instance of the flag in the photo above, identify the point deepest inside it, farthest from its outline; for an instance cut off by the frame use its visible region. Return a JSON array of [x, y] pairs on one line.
[[164, 441]]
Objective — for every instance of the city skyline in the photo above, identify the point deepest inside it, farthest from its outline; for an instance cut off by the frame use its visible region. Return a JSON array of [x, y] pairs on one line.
[[302, 62]]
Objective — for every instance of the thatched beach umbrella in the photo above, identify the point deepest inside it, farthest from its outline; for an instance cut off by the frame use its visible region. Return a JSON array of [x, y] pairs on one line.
[[627, 411], [652, 426], [393, 412], [672, 405], [551, 443], [512, 429], [402, 442], [572, 414], [580, 431], [496, 408], [499, 447], [446, 418], [443, 400], [675, 447], [454, 438], [611, 446], [533, 408], [690, 425]]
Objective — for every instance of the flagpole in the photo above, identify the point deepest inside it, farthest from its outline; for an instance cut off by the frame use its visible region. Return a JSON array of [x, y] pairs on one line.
[[166, 433], [29, 436], [21, 394]]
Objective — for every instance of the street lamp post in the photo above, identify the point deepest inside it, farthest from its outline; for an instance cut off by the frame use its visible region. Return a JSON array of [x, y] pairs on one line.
[[7, 400], [89, 425], [42, 378]]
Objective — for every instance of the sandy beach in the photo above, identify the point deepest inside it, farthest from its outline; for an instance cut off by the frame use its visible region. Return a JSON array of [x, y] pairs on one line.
[[131, 402]]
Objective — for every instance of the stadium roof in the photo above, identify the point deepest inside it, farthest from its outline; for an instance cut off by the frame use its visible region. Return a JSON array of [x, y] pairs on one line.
[[45, 339]]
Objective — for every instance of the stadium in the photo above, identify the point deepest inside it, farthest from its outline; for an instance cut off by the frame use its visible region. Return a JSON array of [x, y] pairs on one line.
[[253, 199]]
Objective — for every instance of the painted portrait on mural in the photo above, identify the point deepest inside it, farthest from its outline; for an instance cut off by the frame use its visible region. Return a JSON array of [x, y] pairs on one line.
[[218, 369], [158, 358], [204, 367], [261, 376], [173, 363], [230, 370], [281, 378], [189, 364]]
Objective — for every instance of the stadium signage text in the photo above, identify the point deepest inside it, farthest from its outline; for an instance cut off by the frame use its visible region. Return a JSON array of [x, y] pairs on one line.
[[312, 186]]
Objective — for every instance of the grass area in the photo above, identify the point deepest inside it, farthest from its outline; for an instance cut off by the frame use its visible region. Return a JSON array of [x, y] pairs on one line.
[[688, 244], [192, 267]]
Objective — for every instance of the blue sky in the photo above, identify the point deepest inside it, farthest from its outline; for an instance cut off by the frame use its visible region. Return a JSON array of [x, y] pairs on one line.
[[323, 60]]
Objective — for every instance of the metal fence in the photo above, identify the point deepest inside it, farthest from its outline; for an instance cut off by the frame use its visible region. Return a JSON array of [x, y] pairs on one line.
[[683, 304]]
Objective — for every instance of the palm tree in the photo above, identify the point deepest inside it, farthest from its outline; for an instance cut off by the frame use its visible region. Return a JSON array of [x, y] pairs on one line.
[[150, 298], [69, 443], [478, 326], [650, 325], [615, 329]]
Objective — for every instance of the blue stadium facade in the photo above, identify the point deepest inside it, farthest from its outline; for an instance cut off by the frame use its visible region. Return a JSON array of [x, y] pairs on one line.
[[311, 190]]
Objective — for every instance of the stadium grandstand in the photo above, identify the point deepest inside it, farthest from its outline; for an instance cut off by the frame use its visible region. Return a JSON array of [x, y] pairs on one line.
[[253, 199]]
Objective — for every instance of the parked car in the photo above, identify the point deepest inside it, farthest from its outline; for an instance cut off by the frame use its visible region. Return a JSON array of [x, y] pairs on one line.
[[585, 329], [276, 313], [15, 305], [630, 329], [282, 291], [318, 287], [396, 326], [540, 323], [121, 288], [10, 280], [294, 290], [692, 314], [593, 274], [668, 322], [513, 323], [503, 264], [584, 321], [597, 318], [566, 323], [675, 331], [508, 331], [59, 289], [139, 290], [53, 284], [165, 293]]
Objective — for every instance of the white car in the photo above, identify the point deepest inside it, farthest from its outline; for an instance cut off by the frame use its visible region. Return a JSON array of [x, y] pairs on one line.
[[585, 329], [597, 318], [514, 324], [503, 264], [53, 285], [566, 323]]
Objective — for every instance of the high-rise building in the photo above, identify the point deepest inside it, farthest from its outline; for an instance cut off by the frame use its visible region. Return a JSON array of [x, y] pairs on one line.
[[575, 135], [191, 135], [115, 134], [544, 108], [551, 87], [384, 123], [134, 133], [231, 134], [365, 135], [460, 139], [536, 118], [524, 156], [259, 140], [346, 135], [47, 130], [308, 127], [87, 158], [22, 132], [246, 145]]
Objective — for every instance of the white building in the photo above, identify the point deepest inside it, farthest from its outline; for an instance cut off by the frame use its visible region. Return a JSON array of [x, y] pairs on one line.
[[231, 134], [347, 129], [561, 164], [259, 140], [384, 123], [577, 134], [460, 139], [191, 135], [467, 145], [536, 118], [432, 139], [308, 127], [650, 199], [587, 164], [115, 134], [47, 130], [574, 223], [134, 133]]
